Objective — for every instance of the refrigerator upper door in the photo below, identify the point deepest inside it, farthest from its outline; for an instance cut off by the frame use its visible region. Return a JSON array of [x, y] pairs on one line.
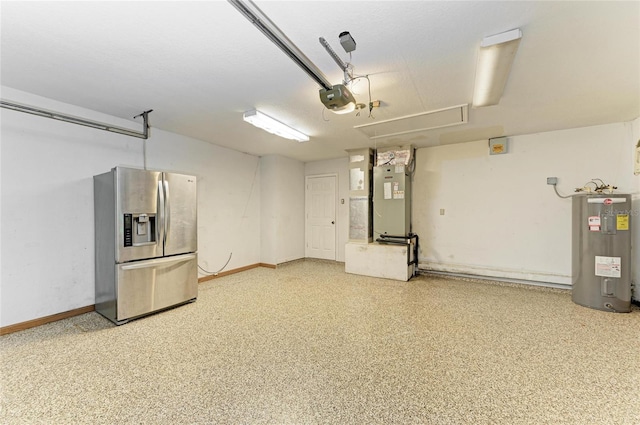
[[181, 223], [138, 214]]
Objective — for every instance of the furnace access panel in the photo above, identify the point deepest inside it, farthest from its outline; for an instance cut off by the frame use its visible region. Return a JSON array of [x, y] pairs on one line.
[[391, 200]]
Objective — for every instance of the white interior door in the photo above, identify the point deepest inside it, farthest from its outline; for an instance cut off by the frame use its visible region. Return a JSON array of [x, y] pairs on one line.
[[320, 223]]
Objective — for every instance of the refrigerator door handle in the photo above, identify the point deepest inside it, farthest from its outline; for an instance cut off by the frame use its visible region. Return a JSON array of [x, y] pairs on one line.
[[160, 261], [160, 225], [167, 212]]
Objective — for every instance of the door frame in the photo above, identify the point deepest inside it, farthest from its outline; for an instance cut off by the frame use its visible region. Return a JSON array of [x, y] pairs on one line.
[[335, 210]]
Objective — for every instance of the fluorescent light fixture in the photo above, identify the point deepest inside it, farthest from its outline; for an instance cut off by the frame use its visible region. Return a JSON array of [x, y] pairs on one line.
[[273, 126], [494, 63]]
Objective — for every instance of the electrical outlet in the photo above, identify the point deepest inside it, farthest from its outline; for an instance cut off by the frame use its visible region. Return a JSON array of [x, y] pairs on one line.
[[552, 180]]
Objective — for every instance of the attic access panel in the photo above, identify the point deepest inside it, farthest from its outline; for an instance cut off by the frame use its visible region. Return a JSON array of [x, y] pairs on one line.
[[439, 118]]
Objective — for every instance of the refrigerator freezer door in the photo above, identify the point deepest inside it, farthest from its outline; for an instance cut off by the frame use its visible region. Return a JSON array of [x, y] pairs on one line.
[[147, 286], [181, 229], [137, 207]]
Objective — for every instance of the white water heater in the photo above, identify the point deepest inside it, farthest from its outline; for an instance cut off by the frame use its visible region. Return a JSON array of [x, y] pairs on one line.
[[601, 251]]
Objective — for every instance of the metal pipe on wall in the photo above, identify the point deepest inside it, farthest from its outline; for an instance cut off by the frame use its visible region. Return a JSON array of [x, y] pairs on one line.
[[144, 134]]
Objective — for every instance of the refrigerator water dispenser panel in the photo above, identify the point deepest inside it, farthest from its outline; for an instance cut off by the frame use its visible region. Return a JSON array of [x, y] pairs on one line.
[[128, 230], [139, 229]]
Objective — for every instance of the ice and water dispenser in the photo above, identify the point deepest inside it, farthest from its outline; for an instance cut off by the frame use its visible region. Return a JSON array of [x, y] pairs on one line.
[[139, 229]]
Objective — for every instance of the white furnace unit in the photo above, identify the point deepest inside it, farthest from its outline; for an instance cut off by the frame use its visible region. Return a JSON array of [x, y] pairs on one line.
[[392, 192]]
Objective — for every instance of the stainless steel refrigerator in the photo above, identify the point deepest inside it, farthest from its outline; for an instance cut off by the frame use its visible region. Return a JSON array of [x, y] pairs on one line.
[[145, 242]]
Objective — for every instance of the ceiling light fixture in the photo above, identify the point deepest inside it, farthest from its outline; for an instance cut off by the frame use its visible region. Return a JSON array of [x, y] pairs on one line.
[[273, 126], [494, 63]]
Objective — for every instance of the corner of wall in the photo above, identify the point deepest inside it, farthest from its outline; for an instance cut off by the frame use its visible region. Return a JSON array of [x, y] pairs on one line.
[[282, 214]]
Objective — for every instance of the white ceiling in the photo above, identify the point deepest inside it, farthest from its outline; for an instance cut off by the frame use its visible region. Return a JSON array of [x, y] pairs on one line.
[[200, 65]]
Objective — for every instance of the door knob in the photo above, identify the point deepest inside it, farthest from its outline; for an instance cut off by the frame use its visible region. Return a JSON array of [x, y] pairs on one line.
[[333, 222]]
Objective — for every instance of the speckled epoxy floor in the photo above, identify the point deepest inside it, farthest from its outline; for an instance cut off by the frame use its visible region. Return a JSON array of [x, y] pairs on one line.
[[308, 344]]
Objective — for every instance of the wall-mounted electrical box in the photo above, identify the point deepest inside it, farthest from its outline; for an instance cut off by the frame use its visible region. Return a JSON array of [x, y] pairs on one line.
[[498, 146]]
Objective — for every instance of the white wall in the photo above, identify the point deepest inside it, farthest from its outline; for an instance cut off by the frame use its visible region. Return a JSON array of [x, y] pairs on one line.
[[340, 167], [282, 214], [501, 218], [635, 216], [1, 244], [228, 197], [47, 203]]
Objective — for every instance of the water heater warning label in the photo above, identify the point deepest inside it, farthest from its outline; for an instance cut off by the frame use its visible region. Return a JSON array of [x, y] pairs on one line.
[[608, 266], [594, 223], [622, 222]]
